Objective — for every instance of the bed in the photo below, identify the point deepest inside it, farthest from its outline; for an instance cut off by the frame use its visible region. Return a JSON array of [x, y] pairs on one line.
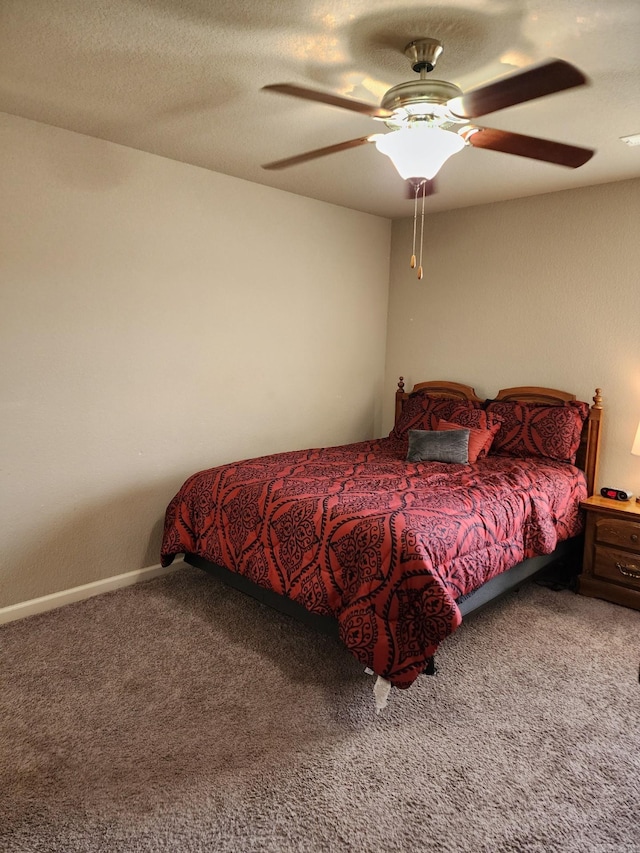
[[391, 554]]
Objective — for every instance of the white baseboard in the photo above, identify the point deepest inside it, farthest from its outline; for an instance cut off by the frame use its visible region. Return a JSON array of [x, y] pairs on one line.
[[87, 590]]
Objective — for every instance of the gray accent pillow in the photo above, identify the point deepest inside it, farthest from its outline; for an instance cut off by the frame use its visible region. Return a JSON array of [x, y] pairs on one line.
[[448, 445]]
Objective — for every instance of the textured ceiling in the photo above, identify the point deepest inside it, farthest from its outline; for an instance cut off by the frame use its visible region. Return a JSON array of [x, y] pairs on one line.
[[182, 79]]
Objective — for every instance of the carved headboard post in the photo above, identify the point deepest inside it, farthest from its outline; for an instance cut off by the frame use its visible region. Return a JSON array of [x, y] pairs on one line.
[[401, 396], [592, 440]]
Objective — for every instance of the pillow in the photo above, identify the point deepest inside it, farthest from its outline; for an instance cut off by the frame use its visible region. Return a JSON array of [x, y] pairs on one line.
[[535, 429], [472, 418], [480, 440], [422, 411], [446, 446]]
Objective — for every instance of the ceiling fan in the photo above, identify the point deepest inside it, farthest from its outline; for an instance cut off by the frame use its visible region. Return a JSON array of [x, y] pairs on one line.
[[428, 120]]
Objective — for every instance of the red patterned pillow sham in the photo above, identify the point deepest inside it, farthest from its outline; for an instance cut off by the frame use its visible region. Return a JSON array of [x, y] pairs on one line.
[[480, 440], [422, 411], [535, 429]]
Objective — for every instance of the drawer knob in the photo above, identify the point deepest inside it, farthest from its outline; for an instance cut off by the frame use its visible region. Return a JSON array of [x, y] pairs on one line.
[[634, 537], [628, 571]]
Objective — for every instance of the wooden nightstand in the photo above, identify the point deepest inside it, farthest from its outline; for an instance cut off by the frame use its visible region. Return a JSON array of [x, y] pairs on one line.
[[611, 565]]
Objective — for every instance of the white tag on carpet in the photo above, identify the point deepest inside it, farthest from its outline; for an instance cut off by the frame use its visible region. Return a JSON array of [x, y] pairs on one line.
[[381, 690]]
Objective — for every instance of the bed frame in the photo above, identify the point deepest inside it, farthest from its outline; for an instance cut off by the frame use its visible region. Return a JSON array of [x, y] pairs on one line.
[[568, 551]]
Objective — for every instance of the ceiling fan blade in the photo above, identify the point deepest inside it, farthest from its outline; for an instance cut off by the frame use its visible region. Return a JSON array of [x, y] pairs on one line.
[[551, 76], [412, 185], [319, 152], [529, 146], [328, 98]]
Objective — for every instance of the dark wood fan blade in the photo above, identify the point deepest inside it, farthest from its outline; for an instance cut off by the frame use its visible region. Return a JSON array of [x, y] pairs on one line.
[[328, 98], [529, 146], [319, 152], [411, 186], [551, 76]]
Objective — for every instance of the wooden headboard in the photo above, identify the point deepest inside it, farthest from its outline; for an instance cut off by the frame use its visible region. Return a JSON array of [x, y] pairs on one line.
[[587, 457]]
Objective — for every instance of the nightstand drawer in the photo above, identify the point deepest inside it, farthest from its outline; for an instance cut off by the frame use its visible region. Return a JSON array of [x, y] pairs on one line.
[[620, 566], [616, 531]]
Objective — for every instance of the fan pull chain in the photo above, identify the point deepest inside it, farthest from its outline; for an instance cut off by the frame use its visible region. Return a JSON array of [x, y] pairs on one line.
[[424, 192], [415, 217]]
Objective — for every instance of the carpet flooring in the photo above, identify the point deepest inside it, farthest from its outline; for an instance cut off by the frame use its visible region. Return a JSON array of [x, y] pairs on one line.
[[178, 715]]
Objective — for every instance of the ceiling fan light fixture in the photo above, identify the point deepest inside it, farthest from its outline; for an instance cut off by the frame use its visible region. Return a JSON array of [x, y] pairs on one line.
[[418, 151]]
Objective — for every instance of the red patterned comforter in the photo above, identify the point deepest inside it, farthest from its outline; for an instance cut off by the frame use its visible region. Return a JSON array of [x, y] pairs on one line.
[[383, 545]]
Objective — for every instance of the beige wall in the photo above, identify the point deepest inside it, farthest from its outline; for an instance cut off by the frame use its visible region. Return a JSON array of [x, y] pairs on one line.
[[537, 291], [157, 319]]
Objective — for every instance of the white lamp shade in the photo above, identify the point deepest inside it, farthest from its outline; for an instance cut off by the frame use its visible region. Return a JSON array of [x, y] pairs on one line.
[[636, 444], [420, 150]]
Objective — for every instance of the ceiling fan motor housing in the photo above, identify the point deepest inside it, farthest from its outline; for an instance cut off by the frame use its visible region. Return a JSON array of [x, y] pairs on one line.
[[420, 92]]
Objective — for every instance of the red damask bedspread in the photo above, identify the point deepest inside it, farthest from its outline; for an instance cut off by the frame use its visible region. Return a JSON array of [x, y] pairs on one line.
[[383, 545]]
